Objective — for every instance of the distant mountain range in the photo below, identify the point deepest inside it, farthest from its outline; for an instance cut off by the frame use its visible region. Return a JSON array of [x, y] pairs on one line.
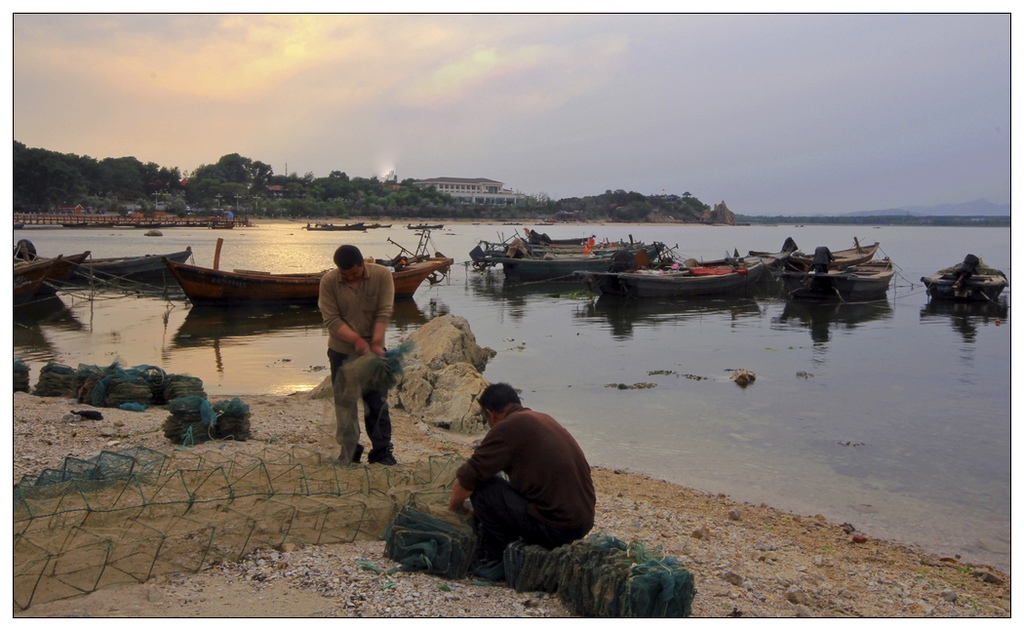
[[977, 208]]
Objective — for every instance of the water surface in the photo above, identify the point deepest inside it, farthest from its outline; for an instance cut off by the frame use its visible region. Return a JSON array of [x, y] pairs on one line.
[[893, 416]]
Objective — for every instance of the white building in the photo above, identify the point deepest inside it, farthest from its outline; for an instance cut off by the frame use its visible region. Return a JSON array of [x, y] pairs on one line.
[[478, 190]]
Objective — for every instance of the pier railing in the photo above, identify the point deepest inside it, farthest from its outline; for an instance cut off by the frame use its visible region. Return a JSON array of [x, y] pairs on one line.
[[117, 221]]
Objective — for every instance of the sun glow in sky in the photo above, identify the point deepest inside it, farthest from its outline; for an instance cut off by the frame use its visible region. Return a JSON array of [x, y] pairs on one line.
[[774, 114]]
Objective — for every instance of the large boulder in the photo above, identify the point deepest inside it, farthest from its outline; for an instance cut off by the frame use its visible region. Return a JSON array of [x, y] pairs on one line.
[[441, 378]]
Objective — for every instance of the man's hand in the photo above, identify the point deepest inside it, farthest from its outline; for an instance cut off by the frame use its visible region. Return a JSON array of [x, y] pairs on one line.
[[457, 502], [362, 347]]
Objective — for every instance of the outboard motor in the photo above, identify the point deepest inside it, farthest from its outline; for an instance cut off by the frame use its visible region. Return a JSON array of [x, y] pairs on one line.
[[622, 261], [967, 269], [822, 259], [24, 250]]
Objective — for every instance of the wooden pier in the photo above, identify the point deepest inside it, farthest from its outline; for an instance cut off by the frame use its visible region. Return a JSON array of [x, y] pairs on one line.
[[117, 221]]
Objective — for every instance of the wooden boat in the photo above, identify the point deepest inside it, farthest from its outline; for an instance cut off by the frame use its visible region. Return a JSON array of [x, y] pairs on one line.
[[970, 281], [854, 283], [360, 227], [425, 226], [374, 226], [207, 286], [681, 282], [539, 238], [532, 268], [213, 286], [63, 268], [29, 276], [800, 262], [146, 267]]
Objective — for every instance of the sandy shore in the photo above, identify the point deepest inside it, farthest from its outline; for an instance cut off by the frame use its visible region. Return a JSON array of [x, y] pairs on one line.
[[748, 560]]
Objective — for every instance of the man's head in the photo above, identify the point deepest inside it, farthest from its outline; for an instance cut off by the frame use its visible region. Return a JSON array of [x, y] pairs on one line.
[[495, 399], [349, 260]]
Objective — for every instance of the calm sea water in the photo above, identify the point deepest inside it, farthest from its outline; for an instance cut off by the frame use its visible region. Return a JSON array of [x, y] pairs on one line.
[[892, 416]]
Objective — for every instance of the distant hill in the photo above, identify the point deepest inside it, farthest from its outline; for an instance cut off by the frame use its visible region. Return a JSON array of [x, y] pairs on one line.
[[977, 208]]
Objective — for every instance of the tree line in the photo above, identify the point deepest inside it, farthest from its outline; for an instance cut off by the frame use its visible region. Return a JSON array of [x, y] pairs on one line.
[[45, 180]]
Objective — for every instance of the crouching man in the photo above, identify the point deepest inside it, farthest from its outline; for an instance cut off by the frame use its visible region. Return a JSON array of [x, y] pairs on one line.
[[548, 498]]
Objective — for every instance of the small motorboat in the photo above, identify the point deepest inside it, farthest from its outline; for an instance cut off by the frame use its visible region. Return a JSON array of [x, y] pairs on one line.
[[970, 281]]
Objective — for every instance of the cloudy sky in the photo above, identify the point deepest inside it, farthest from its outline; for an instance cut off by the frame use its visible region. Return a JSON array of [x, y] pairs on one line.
[[773, 114]]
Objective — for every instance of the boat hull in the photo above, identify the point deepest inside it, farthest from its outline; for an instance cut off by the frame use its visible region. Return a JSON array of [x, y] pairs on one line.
[[28, 277], [978, 288], [864, 283], [675, 284], [148, 267], [206, 286], [557, 268], [409, 278]]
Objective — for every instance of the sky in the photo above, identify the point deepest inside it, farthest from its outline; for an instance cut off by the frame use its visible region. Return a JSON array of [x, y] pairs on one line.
[[774, 114]]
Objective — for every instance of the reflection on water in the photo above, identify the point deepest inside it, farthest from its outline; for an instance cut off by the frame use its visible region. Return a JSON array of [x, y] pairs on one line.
[[623, 313], [409, 316], [822, 318], [205, 324], [32, 319], [966, 317], [517, 300]]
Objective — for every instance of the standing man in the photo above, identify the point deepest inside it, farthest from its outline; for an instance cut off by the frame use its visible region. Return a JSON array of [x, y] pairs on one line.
[[356, 301], [549, 496]]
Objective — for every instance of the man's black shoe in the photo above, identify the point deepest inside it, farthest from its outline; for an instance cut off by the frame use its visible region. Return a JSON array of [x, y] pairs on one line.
[[387, 460]]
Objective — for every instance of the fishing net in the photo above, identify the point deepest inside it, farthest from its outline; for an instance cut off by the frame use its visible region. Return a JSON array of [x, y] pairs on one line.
[[55, 380], [602, 576], [128, 516], [115, 386], [177, 386], [21, 375], [364, 374], [194, 420], [422, 542]]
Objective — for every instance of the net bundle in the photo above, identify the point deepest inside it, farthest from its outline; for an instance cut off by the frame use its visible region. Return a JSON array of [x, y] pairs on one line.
[[122, 386], [21, 378], [602, 576], [177, 386], [55, 380], [194, 419], [419, 541], [135, 387]]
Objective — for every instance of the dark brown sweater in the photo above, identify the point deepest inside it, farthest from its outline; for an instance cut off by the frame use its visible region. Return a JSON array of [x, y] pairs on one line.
[[542, 461]]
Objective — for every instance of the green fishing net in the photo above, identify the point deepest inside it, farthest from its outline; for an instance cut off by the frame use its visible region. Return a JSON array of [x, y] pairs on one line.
[[602, 576], [114, 386], [194, 420], [21, 378], [129, 516], [421, 542]]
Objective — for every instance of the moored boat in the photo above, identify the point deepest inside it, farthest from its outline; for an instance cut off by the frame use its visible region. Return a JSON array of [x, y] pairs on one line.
[[540, 238], [29, 276], [970, 281], [854, 283], [138, 268], [799, 261], [358, 227], [63, 266], [679, 281], [518, 266]]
